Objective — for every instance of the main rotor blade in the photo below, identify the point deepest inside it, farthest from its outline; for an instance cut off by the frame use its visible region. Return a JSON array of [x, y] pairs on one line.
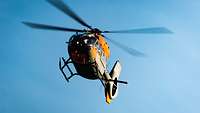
[[59, 4], [153, 30], [127, 49], [50, 27]]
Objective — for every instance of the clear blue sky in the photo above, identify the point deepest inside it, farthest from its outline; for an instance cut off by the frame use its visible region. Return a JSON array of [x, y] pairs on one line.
[[167, 81]]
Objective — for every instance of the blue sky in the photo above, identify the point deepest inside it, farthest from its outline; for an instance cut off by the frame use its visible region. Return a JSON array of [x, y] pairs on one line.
[[167, 81]]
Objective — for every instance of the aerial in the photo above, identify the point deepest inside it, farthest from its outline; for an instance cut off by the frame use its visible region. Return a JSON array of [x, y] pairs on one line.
[[152, 45]]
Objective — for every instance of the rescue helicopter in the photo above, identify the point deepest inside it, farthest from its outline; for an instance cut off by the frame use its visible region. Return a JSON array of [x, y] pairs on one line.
[[89, 52]]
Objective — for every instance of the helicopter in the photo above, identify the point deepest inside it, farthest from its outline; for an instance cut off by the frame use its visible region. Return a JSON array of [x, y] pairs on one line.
[[89, 51]]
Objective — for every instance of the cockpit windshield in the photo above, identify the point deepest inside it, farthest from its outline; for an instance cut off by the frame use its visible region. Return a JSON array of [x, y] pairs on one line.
[[90, 41]]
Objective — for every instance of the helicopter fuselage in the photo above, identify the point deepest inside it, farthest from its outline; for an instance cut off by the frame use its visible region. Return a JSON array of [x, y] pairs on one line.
[[89, 53]]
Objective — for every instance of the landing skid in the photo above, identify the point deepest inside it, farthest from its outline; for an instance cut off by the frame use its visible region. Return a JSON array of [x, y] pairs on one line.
[[66, 64]]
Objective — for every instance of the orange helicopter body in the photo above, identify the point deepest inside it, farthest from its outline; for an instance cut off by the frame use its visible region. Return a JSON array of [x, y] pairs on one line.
[[87, 51]]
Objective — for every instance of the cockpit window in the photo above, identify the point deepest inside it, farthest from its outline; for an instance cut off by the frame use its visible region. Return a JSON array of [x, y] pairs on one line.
[[90, 41], [86, 41]]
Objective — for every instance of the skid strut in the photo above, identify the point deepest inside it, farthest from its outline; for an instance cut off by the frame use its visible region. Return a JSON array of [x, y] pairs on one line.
[[66, 65]]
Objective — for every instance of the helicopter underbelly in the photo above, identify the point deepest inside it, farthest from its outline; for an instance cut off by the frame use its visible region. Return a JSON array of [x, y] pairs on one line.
[[88, 71]]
